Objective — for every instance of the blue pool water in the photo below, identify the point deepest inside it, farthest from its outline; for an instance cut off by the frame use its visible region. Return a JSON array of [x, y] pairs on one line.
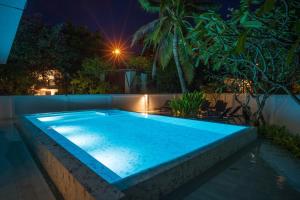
[[126, 143]]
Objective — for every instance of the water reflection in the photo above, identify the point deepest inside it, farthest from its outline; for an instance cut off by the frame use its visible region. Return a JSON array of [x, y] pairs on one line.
[[50, 119], [122, 161]]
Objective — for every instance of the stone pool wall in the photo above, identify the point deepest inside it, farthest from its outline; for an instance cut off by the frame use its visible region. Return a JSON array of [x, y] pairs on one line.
[[156, 183], [73, 179]]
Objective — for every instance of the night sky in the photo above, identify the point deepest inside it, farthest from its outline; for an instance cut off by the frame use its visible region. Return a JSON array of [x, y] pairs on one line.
[[117, 19]]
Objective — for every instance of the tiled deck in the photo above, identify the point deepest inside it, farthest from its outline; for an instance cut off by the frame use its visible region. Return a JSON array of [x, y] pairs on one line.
[[248, 175], [261, 171], [20, 178]]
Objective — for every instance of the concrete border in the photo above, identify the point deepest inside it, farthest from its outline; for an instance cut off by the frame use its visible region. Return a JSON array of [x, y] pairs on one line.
[[163, 179], [75, 180]]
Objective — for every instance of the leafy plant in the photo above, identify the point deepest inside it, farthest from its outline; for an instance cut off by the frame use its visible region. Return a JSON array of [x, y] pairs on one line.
[[91, 78], [167, 35], [166, 81], [39, 47], [139, 63], [163, 34], [281, 136], [188, 105], [16, 80], [258, 45]]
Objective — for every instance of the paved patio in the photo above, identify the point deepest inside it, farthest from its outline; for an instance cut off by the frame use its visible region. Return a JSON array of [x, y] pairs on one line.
[[20, 178], [261, 171], [250, 174]]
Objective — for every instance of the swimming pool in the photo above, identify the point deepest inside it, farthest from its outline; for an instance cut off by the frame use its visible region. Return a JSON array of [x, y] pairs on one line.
[[127, 148]]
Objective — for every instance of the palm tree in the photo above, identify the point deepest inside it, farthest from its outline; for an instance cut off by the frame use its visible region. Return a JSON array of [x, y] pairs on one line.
[[167, 34]]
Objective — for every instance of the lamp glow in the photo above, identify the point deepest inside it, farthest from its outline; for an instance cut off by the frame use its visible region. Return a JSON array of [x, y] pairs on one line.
[[146, 102], [116, 52]]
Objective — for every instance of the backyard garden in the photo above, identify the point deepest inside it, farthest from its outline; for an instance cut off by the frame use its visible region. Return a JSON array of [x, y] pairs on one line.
[[253, 50], [201, 101]]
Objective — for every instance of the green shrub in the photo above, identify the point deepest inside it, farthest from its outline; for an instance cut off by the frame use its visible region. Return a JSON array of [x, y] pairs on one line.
[[91, 78], [188, 105], [281, 136]]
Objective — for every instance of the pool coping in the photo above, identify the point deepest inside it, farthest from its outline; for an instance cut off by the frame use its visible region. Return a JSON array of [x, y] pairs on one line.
[[158, 181], [76, 151], [72, 178], [151, 183], [141, 176]]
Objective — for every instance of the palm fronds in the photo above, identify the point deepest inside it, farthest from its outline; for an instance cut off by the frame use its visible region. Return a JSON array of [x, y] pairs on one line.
[[143, 31], [150, 5]]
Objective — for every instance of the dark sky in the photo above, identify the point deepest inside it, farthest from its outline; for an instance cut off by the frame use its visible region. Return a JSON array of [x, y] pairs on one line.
[[117, 19]]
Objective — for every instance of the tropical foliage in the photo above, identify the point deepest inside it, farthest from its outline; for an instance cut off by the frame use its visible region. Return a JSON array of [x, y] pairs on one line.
[[79, 43], [259, 44], [15, 80], [188, 105], [39, 47], [91, 78], [255, 49], [282, 137], [35, 45], [166, 80], [167, 35], [140, 63]]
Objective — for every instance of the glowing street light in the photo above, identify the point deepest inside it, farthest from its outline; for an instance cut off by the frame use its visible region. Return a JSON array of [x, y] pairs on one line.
[[116, 52]]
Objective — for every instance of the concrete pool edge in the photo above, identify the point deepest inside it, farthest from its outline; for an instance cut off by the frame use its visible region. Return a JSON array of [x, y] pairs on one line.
[[163, 179], [149, 184], [72, 178]]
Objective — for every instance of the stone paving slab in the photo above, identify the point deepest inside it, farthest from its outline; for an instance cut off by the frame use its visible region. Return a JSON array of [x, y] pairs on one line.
[[247, 175], [20, 178]]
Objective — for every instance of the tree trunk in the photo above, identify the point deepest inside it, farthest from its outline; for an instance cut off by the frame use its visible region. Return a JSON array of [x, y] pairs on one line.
[[154, 65], [178, 65], [259, 117]]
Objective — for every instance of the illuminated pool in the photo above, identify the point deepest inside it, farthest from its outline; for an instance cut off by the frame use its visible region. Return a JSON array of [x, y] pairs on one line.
[[127, 148]]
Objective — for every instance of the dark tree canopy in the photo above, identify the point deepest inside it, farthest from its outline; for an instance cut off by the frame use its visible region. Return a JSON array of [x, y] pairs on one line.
[[39, 47]]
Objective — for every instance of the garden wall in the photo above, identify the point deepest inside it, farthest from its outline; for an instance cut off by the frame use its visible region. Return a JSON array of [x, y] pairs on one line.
[[280, 109], [13, 106]]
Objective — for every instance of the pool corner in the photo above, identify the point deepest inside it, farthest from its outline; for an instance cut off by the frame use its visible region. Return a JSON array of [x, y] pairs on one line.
[[71, 177], [75, 179], [161, 181]]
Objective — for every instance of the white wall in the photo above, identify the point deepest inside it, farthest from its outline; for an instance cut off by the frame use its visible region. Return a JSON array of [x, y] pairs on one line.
[[158, 100], [13, 106], [283, 110], [280, 109], [131, 102]]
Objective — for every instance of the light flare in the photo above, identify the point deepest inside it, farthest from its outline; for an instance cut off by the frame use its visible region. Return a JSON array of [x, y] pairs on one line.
[[117, 52]]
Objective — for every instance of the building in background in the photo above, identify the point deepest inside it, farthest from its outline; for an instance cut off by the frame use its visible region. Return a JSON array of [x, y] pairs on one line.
[[47, 83]]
